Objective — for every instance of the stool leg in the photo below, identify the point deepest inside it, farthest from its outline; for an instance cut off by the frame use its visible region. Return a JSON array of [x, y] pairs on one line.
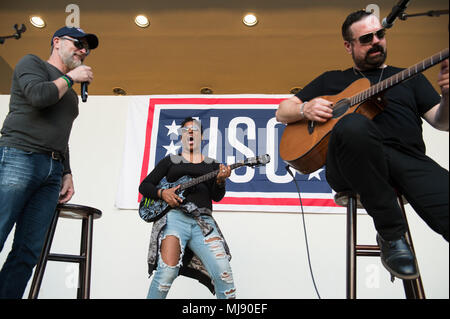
[[87, 277], [351, 245], [82, 263], [413, 288], [85, 251], [40, 267]]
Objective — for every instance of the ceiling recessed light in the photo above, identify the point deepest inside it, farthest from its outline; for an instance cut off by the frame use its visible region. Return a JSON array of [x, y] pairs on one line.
[[37, 21], [250, 20], [141, 21]]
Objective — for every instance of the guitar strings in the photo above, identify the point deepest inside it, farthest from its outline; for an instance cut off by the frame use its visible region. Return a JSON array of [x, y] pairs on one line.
[[304, 232]]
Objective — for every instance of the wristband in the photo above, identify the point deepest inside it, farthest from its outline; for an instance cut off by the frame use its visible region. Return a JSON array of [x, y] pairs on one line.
[[68, 79], [302, 106]]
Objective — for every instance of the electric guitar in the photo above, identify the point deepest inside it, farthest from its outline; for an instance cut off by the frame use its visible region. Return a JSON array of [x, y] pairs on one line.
[[151, 210], [304, 144]]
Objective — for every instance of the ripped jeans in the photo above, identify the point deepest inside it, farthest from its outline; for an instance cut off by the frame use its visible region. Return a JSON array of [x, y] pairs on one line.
[[209, 249]]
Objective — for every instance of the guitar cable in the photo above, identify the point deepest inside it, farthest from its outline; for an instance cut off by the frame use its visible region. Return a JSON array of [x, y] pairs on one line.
[[304, 231]]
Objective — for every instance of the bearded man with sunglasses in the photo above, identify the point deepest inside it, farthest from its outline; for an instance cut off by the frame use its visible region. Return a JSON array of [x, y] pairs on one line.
[[378, 157], [35, 169]]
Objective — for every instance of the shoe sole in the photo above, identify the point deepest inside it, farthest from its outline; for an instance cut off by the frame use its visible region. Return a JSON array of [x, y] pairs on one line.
[[396, 274]]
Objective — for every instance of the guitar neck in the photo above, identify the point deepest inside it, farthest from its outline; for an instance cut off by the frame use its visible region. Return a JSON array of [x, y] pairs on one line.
[[206, 177], [399, 77]]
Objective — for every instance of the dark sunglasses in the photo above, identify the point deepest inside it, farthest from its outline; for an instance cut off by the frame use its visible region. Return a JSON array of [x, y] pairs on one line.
[[78, 44], [187, 128], [368, 38]]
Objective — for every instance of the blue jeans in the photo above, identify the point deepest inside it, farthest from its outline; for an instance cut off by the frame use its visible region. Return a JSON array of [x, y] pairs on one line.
[[209, 249], [29, 189]]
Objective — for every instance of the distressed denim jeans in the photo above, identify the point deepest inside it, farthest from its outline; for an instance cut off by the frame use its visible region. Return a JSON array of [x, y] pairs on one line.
[[209, 249], [29, 189]]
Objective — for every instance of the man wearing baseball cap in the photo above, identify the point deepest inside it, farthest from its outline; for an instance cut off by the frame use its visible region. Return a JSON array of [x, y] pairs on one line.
[[35, 169]]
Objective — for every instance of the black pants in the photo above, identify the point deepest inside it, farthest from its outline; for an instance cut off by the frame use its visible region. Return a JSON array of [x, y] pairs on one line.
[[358, 160]]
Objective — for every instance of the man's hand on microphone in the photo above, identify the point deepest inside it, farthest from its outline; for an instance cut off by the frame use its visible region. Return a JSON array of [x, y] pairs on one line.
[[82, 73]]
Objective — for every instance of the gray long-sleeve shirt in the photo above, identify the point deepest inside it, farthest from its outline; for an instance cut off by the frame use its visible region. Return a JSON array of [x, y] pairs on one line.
[[38, 120]]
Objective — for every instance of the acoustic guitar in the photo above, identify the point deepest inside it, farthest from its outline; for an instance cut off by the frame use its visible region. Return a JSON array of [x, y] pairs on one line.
[[304, 144]]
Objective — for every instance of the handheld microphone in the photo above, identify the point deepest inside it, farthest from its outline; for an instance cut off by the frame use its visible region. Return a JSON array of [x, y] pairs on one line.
[[397, 10], [84, 91]]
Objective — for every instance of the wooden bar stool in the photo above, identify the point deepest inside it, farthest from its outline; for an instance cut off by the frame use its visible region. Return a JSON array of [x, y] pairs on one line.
[[87, 215], [413, 288]]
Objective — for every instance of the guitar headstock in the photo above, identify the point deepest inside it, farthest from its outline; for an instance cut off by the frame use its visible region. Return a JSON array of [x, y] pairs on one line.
[[256, 161]]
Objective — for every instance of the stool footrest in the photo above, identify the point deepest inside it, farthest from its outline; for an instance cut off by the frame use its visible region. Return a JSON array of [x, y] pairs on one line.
[[367, 253], [368, 247], [66, 258], [367, 250]]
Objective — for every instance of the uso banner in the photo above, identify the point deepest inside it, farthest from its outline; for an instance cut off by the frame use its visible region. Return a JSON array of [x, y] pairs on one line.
[[235, 127]]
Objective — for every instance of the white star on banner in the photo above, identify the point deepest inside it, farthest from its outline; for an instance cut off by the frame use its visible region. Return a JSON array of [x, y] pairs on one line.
[[316, 174], [171, 149], [173, 128]]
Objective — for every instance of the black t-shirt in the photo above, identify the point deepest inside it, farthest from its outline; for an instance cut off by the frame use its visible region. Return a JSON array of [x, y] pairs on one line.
[[174, 167], [400, 123]]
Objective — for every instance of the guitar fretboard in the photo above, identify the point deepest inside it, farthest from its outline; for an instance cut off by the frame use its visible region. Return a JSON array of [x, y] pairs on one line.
[[206, 177], [399, 77]]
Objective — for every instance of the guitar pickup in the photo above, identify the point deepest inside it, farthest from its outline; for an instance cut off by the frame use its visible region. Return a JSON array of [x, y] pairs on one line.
[[310, 127], [340, 108]]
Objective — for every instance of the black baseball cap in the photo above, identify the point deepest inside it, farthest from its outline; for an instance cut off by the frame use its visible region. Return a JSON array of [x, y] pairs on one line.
[[77, 33]]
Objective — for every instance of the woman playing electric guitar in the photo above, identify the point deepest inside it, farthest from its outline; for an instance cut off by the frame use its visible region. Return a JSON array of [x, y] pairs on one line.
[[187, 240]]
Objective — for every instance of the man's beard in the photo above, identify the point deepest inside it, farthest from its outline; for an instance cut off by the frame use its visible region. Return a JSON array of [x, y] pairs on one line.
[[369, 63], [68, 60]]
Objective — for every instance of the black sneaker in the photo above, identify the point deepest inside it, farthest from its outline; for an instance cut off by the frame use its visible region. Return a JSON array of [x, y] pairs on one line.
[[397, 258]]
